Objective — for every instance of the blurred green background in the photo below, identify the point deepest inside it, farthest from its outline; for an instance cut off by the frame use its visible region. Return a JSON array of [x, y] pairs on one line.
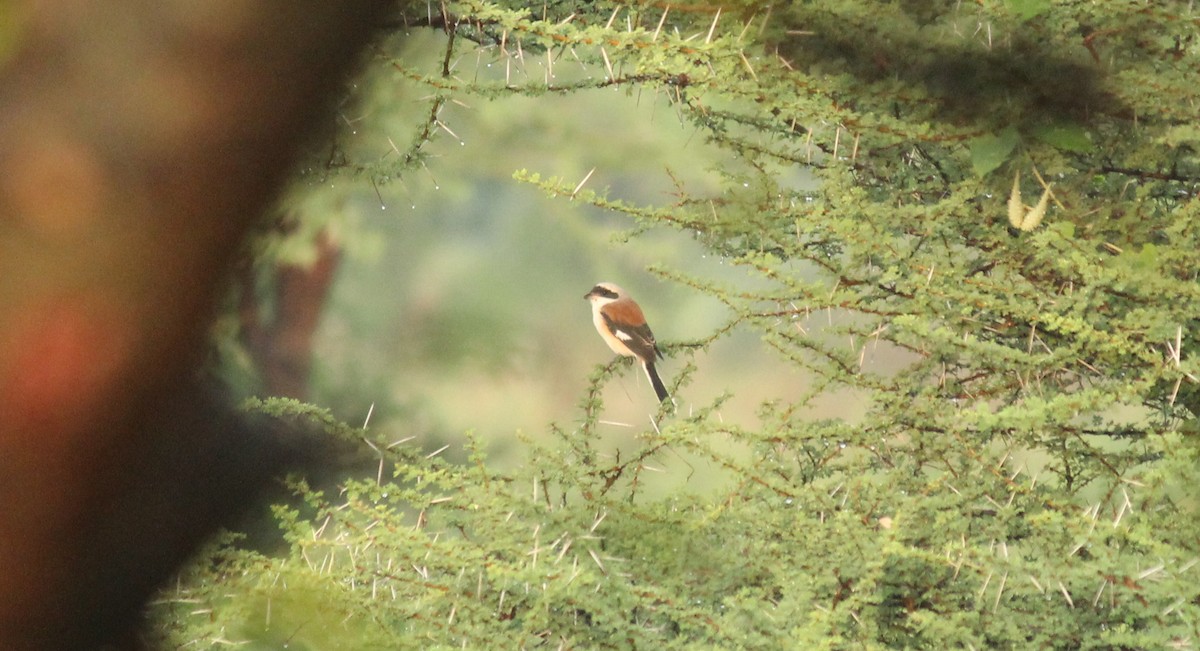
[[458, 305]]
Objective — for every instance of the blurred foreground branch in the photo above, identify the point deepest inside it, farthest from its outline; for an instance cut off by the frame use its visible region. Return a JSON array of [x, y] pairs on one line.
[[140, 142]]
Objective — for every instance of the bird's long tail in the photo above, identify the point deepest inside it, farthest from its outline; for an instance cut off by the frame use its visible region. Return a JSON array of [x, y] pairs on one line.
[[656, 382]]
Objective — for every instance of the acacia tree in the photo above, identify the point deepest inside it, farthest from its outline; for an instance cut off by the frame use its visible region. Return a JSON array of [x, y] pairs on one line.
[[1006, 194]]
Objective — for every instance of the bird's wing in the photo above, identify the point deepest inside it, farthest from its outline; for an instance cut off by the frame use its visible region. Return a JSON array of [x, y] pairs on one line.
[[639, 338]]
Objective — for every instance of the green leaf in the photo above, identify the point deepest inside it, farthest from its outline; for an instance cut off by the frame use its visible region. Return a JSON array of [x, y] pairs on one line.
[[1065, 136], [990, 151], [1026, 9], [1065, 229]]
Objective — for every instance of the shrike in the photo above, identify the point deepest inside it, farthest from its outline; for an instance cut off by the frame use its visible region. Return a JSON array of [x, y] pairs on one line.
[[622, 325]]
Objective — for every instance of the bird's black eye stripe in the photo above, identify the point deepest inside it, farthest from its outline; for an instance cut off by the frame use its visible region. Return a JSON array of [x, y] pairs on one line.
[[603, 291]]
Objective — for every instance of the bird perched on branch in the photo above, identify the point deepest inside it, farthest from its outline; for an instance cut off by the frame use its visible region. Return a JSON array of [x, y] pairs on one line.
[[623, 327]]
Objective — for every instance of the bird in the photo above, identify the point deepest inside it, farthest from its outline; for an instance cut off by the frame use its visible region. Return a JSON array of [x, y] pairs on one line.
[[623, 327]]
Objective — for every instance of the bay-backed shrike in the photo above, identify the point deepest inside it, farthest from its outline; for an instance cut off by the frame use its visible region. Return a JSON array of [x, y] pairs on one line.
[[622, 325]]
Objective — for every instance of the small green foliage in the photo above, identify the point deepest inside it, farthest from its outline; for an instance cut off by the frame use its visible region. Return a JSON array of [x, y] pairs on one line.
[[1023, 474]]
